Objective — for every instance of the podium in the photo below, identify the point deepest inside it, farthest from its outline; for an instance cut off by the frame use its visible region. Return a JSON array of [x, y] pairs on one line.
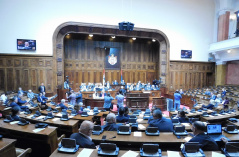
[[137, 101]]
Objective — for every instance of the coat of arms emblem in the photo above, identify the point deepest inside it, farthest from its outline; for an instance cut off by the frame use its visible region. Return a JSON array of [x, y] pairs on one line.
[[112, 59]]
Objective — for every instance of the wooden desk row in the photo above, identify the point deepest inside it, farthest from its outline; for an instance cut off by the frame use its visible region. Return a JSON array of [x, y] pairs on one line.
[[121, 153], [196, 114], [63, 127], [220, 117], [45, 139], [7, 147]]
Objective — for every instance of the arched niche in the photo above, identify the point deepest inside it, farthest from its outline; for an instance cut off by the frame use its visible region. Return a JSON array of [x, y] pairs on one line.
[[100, 29]]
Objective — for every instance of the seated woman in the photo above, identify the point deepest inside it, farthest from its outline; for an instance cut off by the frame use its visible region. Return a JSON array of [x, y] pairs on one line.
[[182, 117], [121, 118], [79, 108], [225, 103], [15, 113]]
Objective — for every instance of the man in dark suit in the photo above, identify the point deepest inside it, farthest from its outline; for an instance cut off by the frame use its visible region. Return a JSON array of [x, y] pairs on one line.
[[207, 143], [62, 104], [42, 99], [111, 125], [21, 102], [121, 118], [15, 113], [42, 88], [83, 137], [163, 124], [14, 102]]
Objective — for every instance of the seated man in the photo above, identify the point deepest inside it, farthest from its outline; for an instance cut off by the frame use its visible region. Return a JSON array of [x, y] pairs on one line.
[[213, 96], [131, 88], [137, 88], [62, 104], [123, 90], [210, 105], [14, 102], [163, 124], [30, 94], [4, 98], [20, 102], [115, 82], [20, 91], [83, 138], [111, 125], [122, 82], [42, 99], [121, 118], [126, 112], [207, 92], [148, 87], [207, 143], [224, 92], [182, 117], [181, 91], [15, 113]]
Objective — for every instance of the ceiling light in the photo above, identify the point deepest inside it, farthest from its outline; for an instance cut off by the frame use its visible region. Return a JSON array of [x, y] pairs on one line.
[[90, 35], [68, 34], [153, 40], [228, 51], [113, 37], [134, 38]]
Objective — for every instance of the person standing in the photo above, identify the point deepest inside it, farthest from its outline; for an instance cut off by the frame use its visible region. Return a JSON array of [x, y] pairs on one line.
[[107, 102], [72, 98], [177, 98], [120, 99], [42, 88]]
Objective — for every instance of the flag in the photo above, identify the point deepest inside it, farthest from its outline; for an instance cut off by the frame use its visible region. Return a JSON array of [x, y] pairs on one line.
[[121, 76], [103, 81]]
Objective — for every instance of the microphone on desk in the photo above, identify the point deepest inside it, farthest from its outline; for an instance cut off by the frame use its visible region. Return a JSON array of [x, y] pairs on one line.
[[104, 138]]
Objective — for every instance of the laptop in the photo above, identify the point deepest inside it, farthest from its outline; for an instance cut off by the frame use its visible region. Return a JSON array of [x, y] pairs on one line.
[[215, 132]]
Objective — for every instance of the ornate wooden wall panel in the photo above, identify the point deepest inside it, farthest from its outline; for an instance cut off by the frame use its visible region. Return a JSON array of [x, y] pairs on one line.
[[188, 75], [26, 72], [2, 78], [84, 62]]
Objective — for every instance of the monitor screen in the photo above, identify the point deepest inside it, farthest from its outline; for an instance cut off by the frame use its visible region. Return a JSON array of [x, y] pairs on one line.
[[26, 44], [214, 128], [186, 53]]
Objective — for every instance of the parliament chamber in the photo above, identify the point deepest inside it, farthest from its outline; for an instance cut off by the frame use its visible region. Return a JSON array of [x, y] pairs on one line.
[[119, 78]]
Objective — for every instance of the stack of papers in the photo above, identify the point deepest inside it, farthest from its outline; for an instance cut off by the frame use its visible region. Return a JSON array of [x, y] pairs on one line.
[[138, 134], [173, 154], [38, 130], [85, 152], [14, 122], [130, 154], [140, 126]]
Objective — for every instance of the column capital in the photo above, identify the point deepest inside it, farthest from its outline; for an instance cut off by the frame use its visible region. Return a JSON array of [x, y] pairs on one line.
[[221, 62], [223, 11]]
